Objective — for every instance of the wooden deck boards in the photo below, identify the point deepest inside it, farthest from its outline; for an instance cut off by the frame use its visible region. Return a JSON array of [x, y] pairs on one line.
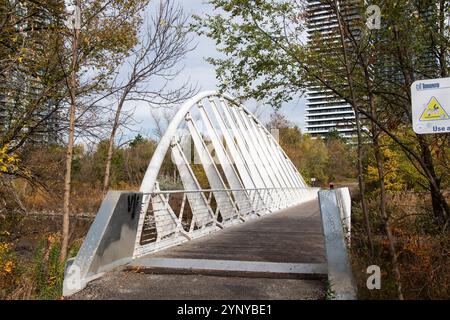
[[293, 235]]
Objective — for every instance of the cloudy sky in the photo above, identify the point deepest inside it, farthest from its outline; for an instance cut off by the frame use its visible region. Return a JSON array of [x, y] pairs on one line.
[[200, 72]]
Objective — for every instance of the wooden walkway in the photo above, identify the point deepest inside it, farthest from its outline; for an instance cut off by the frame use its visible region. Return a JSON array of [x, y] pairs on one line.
[[278, 256]]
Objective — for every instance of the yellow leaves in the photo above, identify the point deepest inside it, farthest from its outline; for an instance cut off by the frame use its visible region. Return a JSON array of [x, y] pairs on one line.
[[7, 264], [392, 175], [4, 247], [51, 239], [23, 52], [9, 267], [8, 162], [372, 173]]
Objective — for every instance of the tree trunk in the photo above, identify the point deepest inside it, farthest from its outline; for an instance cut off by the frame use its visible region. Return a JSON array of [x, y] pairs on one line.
[[111, 143], [72, 86], [442, 49], [380, 170], [440, 207], [361, 182]]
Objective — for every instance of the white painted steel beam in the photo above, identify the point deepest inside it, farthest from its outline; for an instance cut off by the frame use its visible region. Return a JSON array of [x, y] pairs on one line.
[[223, 198], [233, 153], [201, 211], [248, 158], [227, 165], [255, 138]]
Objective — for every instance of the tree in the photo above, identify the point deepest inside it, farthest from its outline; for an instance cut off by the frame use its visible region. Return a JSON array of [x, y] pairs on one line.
[[326, 160], [164, 43], [259, 48], [278, 121], [341, 160], [267, 59], [371, 71], [32, 82], [106, 33], [259, 40], [137, 140], [136, 159]]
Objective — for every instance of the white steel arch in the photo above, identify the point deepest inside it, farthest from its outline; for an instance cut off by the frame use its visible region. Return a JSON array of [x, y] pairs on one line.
[[247, 171]]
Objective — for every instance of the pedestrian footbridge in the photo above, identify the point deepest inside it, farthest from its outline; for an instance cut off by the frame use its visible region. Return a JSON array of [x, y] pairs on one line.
[[242, 224]]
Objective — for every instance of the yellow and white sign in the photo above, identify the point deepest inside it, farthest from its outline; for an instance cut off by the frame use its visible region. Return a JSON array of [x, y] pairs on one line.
[[434, 111], [431, 105]]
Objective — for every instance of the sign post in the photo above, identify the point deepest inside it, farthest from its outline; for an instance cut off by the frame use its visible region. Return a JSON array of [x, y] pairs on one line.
[[430, 101]]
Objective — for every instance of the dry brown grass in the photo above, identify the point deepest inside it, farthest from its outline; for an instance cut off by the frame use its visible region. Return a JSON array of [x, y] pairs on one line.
[[423, 250]]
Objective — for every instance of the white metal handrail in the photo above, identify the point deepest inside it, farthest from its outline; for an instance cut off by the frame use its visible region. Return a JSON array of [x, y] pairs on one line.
[[225, 190]]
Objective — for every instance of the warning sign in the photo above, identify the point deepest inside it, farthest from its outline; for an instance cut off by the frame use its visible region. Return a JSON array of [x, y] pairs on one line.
[[434, 111], [430, 101]]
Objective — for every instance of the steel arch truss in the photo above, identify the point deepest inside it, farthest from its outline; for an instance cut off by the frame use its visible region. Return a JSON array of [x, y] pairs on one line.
[[245, 174]]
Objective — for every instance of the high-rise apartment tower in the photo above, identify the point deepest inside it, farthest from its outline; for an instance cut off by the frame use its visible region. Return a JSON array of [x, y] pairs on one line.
[[325, 111]]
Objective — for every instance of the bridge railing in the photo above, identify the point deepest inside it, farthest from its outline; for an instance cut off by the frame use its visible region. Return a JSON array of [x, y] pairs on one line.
[[175, 216]]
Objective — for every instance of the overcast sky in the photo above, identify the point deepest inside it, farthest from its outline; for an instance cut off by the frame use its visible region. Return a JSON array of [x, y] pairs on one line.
[[200, 72]]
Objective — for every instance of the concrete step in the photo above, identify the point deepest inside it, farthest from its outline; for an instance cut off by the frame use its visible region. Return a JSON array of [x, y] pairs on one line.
[[231, 268]]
